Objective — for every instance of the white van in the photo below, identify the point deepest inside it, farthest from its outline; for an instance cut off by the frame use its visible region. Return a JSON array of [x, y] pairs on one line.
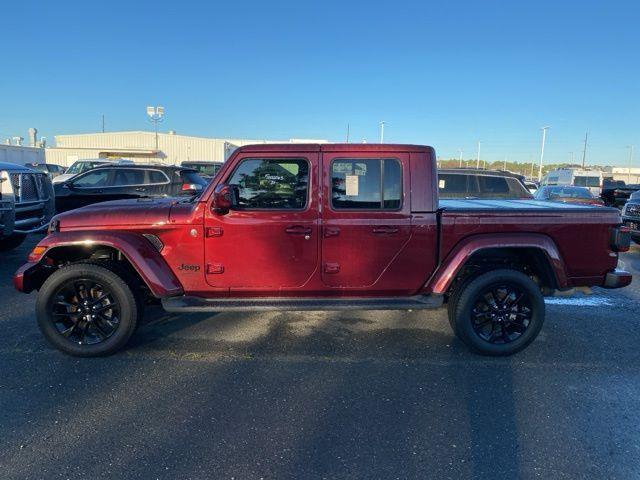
[[592, 179]]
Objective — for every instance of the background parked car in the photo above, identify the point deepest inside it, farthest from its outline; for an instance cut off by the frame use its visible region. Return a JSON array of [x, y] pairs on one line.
[[577, 177], [81, 166], [206, 170], [568, 194], [26, 203], [478, 183], [116, 182], [615, 193], [631, 215], [50, 169]]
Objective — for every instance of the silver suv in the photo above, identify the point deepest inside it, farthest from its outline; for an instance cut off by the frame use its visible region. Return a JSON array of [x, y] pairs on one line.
[[27, 203]]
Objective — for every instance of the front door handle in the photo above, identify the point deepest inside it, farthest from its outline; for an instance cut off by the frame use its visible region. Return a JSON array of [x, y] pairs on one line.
[[298, 230], [384, 229], [141, 189]]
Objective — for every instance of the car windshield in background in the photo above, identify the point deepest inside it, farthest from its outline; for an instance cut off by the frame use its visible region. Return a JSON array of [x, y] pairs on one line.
[[80, 167], [586, 181], [207, 169], [564, 192]]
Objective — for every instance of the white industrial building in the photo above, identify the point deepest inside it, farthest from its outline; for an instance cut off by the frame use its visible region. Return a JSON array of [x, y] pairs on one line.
[[20, 154], [140, 146], [626, 174]]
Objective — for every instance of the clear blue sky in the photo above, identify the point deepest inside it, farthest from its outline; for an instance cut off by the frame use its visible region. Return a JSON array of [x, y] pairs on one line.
[[440, 73]]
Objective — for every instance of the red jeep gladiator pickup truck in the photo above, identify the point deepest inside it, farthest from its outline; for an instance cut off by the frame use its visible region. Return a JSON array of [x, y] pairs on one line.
[[319, 227]]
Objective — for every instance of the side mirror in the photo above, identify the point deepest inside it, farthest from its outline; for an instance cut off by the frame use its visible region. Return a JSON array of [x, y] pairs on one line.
[[224, 198], [69, 185]]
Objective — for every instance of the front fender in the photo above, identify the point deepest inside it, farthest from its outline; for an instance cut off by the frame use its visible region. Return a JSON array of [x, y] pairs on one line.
[[144, 258], [440, 281]]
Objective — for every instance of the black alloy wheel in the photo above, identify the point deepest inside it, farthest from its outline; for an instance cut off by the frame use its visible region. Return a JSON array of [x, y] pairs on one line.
[[502, 313], [85, 311], [88, 309], [498, 312]]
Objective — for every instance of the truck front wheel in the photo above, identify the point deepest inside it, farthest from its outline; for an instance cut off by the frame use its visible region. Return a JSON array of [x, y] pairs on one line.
[[498, 313], [87, 310]]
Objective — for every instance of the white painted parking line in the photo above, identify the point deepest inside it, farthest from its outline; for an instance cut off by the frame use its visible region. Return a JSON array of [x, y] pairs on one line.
[[579, 301]]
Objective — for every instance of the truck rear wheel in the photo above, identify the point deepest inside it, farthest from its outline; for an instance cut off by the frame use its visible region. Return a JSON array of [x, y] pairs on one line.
[[9, 243], [87, 310], [498, 313]]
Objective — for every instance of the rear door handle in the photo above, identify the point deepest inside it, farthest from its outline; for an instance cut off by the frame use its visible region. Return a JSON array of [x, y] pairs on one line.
[[383, 229], [298, 230], [141, 189]]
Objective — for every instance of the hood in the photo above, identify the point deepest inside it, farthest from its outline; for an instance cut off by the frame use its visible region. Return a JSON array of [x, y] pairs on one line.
[[63, 177], [142, 211]]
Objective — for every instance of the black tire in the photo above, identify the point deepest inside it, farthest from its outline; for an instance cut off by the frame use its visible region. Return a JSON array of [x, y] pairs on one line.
[[61, 307], [9, 243], [498, 313]]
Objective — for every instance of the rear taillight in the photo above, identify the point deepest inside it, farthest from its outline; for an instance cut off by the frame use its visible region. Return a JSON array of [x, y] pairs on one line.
[[620, 239], [191, 186]]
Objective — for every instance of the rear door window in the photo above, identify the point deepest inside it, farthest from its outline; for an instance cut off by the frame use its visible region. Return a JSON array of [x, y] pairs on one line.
[[366, 184], [127, 177]]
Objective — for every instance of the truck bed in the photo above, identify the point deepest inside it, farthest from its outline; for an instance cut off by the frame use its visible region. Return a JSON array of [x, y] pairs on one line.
[[579, 231], [525, 204]]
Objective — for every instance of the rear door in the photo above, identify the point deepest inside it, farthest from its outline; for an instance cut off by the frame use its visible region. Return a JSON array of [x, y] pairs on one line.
[[268, 243], [366, 220]]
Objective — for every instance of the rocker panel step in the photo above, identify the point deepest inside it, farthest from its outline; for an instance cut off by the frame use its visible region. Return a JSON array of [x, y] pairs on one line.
[[267, 304]]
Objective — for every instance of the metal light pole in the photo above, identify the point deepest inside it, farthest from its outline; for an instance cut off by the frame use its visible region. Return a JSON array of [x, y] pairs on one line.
[[460, 158], [630, 147], [544, 137], [478, 157], [156, 115], [382, 132]]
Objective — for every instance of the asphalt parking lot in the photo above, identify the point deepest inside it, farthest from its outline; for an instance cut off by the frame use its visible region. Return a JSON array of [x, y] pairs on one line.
[[324, 395]]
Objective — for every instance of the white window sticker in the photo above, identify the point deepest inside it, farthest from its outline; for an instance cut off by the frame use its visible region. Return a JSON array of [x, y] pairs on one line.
[[360, 169], [342, 167], [440, 183], [351, 182]]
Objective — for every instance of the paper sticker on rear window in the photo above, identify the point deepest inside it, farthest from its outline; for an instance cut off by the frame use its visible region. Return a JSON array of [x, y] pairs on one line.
[[351, 184], [441, 183]]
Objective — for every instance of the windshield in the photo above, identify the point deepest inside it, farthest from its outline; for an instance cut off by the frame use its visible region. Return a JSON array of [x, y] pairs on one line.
[[561, 192], [586, 181], [208, 169], [82, 166]]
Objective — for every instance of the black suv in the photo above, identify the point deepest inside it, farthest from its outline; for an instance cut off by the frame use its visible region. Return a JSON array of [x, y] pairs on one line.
[[116, 182], [631, 215], [479, 183]]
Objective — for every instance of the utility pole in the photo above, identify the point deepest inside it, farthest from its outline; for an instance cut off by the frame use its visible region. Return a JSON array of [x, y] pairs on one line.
[[630, 147], [156, 115], [505, 163], [103, 123], [460, 158], [584, 151], [544, 137], [478, 157], [382, 132], [571, 157], [347, 133]]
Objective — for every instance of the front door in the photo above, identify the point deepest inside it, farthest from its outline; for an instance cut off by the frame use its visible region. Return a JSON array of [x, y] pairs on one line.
[[366, 222], [267, 244]]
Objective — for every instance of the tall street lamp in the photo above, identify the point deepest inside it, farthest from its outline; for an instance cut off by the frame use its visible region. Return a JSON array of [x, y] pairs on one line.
[[156, 115], [630, 147], [382, 131], [544, 137]]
